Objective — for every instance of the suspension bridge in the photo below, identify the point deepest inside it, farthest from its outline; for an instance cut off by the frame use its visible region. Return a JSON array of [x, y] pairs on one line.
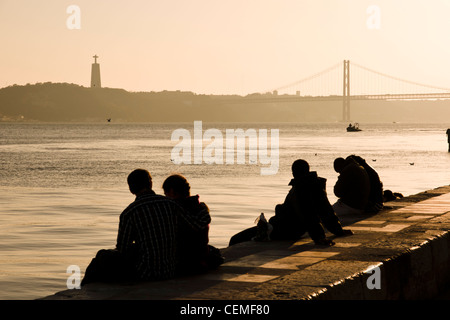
[[334, 84]]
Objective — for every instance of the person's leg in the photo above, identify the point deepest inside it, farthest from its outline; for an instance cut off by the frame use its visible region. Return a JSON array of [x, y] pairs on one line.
[[110, 266], [313, 226], [341, 209], [245, 235]]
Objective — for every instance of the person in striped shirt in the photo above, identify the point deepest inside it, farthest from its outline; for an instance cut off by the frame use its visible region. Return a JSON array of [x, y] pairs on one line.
[[147, 237]]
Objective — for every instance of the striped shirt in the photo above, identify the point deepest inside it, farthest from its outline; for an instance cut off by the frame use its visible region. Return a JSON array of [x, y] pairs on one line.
[[150, 225]]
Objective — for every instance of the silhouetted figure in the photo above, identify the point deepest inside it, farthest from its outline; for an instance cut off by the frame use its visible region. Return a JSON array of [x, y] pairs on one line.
[[448, 139], [147, 237], [305, 209], [352, 187], [375, 201], [354, 127], [194, 254]]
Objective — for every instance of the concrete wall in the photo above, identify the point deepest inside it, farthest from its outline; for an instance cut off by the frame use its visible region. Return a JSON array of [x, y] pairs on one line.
[[421, 272]]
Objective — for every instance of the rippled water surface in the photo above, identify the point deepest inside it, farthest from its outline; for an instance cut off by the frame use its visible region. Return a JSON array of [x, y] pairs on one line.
[[63, 186]]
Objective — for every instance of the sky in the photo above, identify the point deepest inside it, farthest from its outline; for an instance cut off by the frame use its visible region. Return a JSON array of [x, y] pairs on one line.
[[220, 47]]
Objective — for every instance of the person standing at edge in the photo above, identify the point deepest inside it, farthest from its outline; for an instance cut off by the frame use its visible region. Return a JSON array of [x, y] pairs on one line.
[[147, 237], [448, 139]]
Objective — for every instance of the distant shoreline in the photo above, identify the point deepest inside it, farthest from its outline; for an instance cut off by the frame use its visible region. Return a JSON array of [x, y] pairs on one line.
[[63, 102]]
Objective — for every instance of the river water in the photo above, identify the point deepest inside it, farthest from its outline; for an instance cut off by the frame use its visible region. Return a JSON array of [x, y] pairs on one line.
[[63, 186]]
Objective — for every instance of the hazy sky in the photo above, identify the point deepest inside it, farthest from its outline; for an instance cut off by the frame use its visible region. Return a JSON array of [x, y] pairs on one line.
[[214, 47]]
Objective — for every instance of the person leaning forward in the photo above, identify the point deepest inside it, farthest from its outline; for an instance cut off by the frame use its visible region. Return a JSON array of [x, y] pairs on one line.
[[147, 237], [375, 200], [352, 187]]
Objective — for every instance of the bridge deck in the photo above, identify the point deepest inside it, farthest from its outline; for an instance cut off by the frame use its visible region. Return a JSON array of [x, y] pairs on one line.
[[291, 98]]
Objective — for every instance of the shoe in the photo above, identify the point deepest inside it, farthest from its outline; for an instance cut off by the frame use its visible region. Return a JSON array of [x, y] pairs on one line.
[[324, 242], [345, 232]]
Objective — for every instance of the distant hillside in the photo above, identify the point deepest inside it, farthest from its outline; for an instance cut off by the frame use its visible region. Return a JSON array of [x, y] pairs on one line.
[[68, 102]]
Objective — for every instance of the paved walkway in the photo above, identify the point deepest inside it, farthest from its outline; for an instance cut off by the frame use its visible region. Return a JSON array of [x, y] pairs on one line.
[[408, 242]]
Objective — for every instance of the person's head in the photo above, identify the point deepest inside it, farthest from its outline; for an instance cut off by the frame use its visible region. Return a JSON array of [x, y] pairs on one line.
[[299, 168], [139, 180], [358, 159], [339, 164], [176, 186]]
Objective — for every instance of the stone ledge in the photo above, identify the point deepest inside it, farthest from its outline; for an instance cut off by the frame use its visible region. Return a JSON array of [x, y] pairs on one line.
[[408, 241]]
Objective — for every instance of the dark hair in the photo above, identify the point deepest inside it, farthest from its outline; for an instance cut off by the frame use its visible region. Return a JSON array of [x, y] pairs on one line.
[[178, 184], [339, 164], [138, 180], [299, 168], [358, 159]]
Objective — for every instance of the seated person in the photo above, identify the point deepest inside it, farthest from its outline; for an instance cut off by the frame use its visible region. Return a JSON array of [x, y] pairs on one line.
[[194, 253], [305, 209], [352, 187], [375, 201], [150, 219]]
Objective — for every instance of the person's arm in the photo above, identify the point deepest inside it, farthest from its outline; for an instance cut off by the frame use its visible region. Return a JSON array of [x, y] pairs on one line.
[[338, 187], [196, 214], [344, 182], [125, 234], [332, 223], [326, 212]]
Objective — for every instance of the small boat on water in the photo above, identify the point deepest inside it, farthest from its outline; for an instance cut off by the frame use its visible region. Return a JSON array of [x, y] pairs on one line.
[[353, 127]]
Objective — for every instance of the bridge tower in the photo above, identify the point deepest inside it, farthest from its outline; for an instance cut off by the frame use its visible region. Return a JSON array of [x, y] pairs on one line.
[[95, 74], [346, 93]]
